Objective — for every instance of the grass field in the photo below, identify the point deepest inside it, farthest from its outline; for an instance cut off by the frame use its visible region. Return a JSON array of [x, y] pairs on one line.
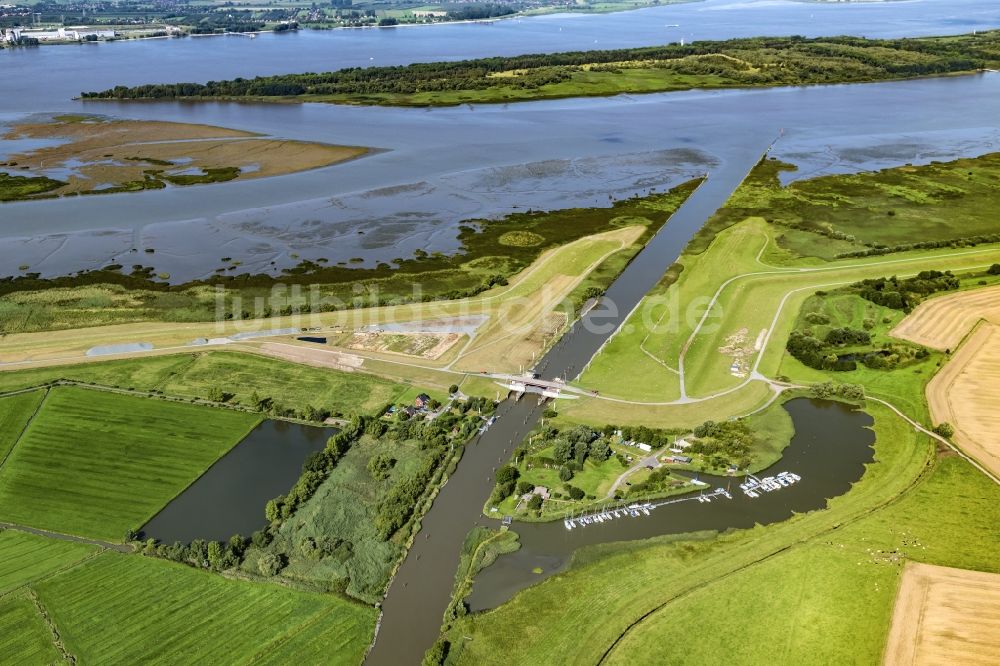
[[15, 412], [944, 615], [786, 576], [96, 464], [118, 609], [28, 557], [24, 636], [194, 375]]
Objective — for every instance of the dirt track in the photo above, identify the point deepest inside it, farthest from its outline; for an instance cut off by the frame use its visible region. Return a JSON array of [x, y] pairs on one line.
[[945, 616], [963, 393], [942, 322]]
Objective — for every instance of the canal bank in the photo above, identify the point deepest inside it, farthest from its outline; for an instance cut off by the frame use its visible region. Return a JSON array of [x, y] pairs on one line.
[[419, 594]]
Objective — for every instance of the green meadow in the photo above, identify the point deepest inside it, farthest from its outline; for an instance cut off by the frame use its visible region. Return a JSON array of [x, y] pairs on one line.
[[24, 636], [240, 375], [27, 557], [127, 609], [15, 412], [785, 576], [96, 464]]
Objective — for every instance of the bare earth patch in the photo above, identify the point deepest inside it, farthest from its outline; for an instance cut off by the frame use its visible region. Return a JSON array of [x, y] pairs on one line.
[[945, 616], [963, 393], [423, 345], [95, 154], [739, 348], [318, 358], [942, 322]]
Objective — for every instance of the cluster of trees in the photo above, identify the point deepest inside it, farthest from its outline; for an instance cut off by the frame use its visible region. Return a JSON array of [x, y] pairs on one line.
[[905, 294], [725, 442], [657, 481], [397, 506], [476, 12], [760, 61], [821, 354], [828, 390], [878, 250], [215, 555]]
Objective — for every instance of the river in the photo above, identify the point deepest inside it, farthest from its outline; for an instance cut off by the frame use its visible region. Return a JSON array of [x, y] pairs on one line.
[[443, 165]]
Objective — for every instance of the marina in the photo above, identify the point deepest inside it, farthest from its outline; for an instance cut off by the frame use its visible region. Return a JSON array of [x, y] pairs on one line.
[[753, 487], [637, 510]]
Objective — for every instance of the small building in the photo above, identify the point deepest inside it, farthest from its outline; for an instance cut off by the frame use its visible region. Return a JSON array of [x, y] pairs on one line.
[[645, 447], [684, 460], [539, 490], [422, 401]]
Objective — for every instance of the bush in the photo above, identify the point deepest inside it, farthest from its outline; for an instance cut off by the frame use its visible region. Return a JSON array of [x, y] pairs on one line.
[[270, 564], [945, 430], [565, 474], [535, 503], [994, 269], [380, 466], [575, 493]]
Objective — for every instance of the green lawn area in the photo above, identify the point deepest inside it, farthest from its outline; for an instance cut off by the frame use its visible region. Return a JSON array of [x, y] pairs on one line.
[[28, 557], [95, 463], [577, 615], [127, 609], [829, 600], [193, 375], [24, 637], [15, 412]]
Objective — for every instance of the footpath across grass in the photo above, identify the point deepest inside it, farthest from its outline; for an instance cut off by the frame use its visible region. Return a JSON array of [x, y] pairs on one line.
[[96, 464], [117, 609]]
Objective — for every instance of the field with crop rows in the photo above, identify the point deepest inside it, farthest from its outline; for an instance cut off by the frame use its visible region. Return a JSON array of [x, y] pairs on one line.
[[95, 464], [15, 411], [117, 609]]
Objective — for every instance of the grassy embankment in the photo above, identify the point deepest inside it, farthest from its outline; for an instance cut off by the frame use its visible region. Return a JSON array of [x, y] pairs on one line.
[[92, 602], [96, 464], [763, 61], [491, 250], [765, 254], [238, 376], [523, 317], [906, 506]]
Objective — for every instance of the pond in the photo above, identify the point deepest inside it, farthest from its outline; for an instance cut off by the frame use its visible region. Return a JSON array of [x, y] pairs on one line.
[[229, 498]]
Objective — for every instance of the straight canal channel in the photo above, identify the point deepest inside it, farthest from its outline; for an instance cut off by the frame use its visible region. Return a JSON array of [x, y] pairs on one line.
[[419, 593]]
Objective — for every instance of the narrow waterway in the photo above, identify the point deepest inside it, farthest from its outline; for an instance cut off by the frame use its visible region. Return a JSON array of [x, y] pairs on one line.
[[419, 593]]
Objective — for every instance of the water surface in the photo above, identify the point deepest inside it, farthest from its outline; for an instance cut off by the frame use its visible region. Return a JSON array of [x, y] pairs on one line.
[[229, 498]]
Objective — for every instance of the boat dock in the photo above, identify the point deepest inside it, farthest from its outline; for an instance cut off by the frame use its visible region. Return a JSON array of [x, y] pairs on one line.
[[637, 510], [753, 487]]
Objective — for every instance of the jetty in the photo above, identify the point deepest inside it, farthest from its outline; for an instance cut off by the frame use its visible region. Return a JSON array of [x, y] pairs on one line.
[[753, 487], [638, 510]]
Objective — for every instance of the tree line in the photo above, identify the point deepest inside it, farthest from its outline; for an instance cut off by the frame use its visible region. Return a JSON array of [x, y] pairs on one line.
[[752, 61]]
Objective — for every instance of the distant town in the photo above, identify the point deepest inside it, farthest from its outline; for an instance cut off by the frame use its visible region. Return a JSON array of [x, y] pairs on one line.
[[73, 22]]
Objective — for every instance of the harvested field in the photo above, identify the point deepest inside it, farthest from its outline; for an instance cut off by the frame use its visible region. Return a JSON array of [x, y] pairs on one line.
[[942, 322], [945, 616], [963, 393], [98, 155]]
